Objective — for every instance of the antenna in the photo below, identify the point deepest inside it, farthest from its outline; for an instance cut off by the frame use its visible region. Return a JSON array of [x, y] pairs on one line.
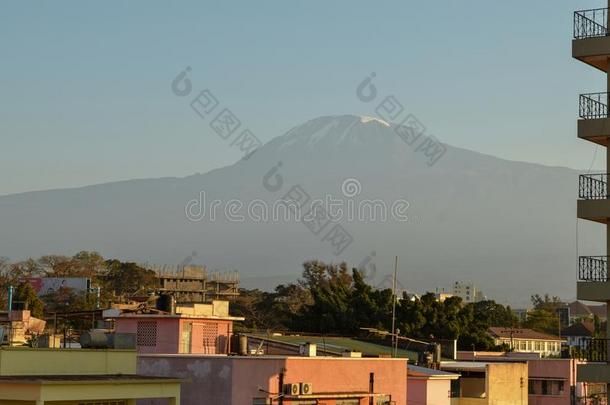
[[394, 337]]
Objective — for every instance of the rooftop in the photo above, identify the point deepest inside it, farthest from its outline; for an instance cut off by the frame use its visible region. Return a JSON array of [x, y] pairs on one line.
[[519, 333], [338, 345], [583, 328], [429, 373]]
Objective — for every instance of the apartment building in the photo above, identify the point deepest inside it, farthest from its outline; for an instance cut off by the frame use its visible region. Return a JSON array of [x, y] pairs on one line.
[[467, 291], [591, 45]]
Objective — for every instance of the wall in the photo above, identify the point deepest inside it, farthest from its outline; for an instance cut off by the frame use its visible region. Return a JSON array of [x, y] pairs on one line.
[[417, 390], [507, 383], [222, 380], [552, 369], [27, 361], [438, 392], [167, 333], [472, 387]]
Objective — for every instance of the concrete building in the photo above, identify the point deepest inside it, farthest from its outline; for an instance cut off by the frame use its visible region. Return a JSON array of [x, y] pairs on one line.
[[196, 328], [591, 45], [262, 380], [482, 383], [467, 291], [527, 341], [59, 377], [428, 386]]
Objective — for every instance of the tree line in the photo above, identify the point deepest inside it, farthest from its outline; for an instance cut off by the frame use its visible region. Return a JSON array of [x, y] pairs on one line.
[[330, 299]]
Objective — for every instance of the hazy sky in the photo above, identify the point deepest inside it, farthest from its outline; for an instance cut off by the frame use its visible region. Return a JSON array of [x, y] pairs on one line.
[[85, 87]]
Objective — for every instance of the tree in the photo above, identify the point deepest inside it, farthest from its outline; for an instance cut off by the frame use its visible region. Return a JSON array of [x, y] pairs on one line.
[[27, 294], [127, 278]]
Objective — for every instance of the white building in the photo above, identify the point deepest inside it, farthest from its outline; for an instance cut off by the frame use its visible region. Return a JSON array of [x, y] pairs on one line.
[[468, 292]]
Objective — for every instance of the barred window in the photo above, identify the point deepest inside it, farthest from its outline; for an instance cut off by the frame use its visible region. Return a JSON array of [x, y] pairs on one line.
[[210, 338], [147, 333]]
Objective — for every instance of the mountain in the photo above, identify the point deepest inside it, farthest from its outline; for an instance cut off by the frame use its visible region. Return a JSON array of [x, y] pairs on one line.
[[507, 226]]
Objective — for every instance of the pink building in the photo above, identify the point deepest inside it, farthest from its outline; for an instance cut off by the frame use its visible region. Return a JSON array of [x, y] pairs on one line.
[[199, 328], [263, 380], [428, 386]]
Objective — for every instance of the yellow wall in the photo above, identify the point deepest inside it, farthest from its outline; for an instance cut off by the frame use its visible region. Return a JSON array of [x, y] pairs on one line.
[[507, 384], [27, 361]]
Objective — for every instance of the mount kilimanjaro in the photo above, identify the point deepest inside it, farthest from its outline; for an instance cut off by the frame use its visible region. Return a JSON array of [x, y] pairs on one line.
[[507, 226]]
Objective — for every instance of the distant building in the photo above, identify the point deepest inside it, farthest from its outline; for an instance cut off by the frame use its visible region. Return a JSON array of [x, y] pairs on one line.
[[579, 311], [468, 292], [575, 333], [521, 314], [527, 340], [442, 296], [198, 328]]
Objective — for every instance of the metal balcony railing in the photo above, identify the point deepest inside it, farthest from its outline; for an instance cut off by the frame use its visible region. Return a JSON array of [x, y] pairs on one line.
[[593, 186], [591, 23], [591, 349], [593, 105], [593, 268]]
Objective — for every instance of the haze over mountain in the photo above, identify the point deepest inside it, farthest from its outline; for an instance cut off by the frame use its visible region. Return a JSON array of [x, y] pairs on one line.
[[507, 226]]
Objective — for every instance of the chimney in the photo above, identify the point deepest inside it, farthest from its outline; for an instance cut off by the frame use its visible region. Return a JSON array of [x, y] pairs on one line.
[[309, 350]]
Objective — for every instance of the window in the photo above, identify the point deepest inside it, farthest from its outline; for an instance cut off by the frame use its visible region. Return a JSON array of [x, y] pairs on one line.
[[545, 387], [147, 333]]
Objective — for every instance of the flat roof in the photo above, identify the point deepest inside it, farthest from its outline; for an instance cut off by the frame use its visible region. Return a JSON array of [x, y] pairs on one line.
[[465, 365], [424, 372], [337, 344], [269, 357], [84, 378]]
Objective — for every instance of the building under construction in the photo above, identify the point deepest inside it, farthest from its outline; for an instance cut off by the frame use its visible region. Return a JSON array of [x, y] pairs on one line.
[[194, 284]]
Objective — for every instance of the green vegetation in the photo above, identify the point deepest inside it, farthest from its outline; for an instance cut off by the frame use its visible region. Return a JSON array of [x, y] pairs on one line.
[[330, 300], [116, 280]]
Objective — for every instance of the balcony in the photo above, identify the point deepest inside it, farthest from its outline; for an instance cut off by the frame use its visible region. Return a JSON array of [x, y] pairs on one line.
[[595, 352], [592, 350], [591, 42], [593, 282], [590, 23], [593, 186], [593, 268], [594, 122], [593, 203]]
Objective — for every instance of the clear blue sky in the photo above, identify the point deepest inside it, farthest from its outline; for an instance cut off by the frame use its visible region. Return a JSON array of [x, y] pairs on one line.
[[85, 87]]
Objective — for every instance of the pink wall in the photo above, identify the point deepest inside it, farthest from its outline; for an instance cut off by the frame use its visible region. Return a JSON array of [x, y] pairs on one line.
[[169, 334], [220, 380], [548, 369], [417, 391]]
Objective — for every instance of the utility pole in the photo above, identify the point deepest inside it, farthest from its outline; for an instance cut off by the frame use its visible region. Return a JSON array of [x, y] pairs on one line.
[[394, 337]]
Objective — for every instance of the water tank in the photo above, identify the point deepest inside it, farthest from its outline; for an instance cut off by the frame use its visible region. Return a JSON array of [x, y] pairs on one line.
[[243, 345], [94, 339], [166, 303]]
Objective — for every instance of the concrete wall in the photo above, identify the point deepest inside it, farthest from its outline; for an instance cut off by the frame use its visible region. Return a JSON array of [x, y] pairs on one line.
[[221, 380], [170, 334], [507, 384], [558, 369], [27, 361], [472, 387], [437, 393], [417, 391]]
